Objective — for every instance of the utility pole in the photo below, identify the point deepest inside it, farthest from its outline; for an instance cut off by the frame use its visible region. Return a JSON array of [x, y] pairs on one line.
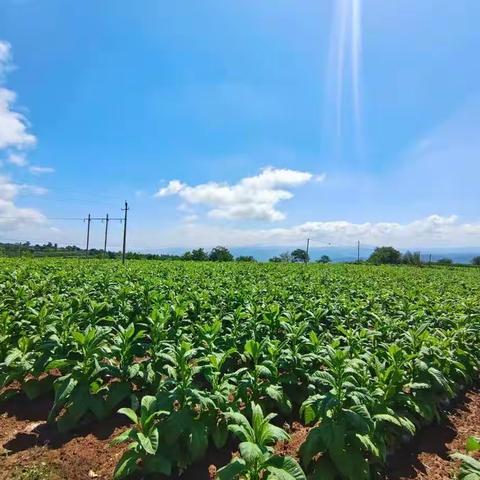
[[124, 231], [308, 248], [358, 251], [430, 259], [88, 234], [106, 235]]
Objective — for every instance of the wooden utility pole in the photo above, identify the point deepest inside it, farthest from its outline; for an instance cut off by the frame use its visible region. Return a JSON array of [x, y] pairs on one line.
[[308, 248], [124, 231], [106, 235], [358, 251], [88, 234]]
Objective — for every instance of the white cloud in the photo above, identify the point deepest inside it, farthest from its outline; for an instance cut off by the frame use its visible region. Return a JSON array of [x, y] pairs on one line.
[[17, 158], [13, 125], [39, 170], [12, 216], [173, 187], [5, 59], [14, 137], [251, 198], [431, 231], [190, 218]]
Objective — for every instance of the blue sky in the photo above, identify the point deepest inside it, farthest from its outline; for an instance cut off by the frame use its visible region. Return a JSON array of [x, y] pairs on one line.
[[276, 121]]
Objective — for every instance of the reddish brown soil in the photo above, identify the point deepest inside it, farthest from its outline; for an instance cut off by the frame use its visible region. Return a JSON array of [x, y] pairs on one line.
[[26, 441], [427, 457], [298, 434]]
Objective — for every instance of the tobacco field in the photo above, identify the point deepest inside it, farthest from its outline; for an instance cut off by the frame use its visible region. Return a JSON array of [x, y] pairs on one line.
[[209, 355]]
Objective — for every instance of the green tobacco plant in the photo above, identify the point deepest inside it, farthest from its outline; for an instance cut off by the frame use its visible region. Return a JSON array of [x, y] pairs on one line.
[[469, 467], [143, 452], [367, 354], [257, 460], [261, 380], [83, 391]]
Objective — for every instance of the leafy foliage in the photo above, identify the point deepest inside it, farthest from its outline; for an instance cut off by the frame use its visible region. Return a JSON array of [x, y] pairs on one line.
[[257, 460], [470, 467], [366, 355]]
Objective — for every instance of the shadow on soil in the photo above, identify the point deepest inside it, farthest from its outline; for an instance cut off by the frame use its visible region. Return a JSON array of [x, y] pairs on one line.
[[431, 439], [38, 433]]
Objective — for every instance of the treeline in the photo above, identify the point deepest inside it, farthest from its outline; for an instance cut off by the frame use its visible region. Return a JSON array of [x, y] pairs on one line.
[[26, 249], [392, 256], [380, 256], [217, 254]]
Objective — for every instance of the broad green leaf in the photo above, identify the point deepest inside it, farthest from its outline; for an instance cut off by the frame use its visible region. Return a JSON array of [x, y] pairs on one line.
[[130, 414], [198, 440], [233, 470], [158, 464], [250, 452], [285, 468], [473, 444], [146, 443], [126, 466]]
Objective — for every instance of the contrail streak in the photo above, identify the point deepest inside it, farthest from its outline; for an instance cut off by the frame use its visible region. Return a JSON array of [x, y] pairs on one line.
[[345, 60], [356, 56], [341, 30]]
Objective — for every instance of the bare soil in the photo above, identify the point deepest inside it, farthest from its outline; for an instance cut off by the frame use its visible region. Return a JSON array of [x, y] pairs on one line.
[[427, 456], [32, 450]]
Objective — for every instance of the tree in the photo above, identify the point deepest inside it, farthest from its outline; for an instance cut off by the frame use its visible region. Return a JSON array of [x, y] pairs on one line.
[[410, 258], [476, 261], [245, 258], [324, 259], [445, 261], [220, 254], [199, 255], [385, 255], [285, 257], [300, 255], [187, 256]]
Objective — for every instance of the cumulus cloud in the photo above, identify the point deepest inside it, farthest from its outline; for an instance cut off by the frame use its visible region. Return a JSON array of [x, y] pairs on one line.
[[15, 139], [251, 198], [11, 215], [430, 231], [13, 125]]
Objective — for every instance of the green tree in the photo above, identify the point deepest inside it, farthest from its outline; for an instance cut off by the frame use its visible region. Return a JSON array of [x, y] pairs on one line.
[[285, 257], [300, 255], [385, 255], [220, 254], [245, 258], [275, 259], [445, 261], [199, 255], [410, 258], [476, 261], [187, 256], [324, 259]]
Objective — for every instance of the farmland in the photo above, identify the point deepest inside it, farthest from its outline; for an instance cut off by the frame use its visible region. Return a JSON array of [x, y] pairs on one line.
[[196, 355]]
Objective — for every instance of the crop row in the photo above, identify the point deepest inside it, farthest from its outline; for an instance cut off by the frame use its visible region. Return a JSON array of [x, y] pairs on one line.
[[200, 353]]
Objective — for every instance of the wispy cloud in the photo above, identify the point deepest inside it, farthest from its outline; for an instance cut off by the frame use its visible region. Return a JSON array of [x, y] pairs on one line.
[[36, 170], [17, 158]]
